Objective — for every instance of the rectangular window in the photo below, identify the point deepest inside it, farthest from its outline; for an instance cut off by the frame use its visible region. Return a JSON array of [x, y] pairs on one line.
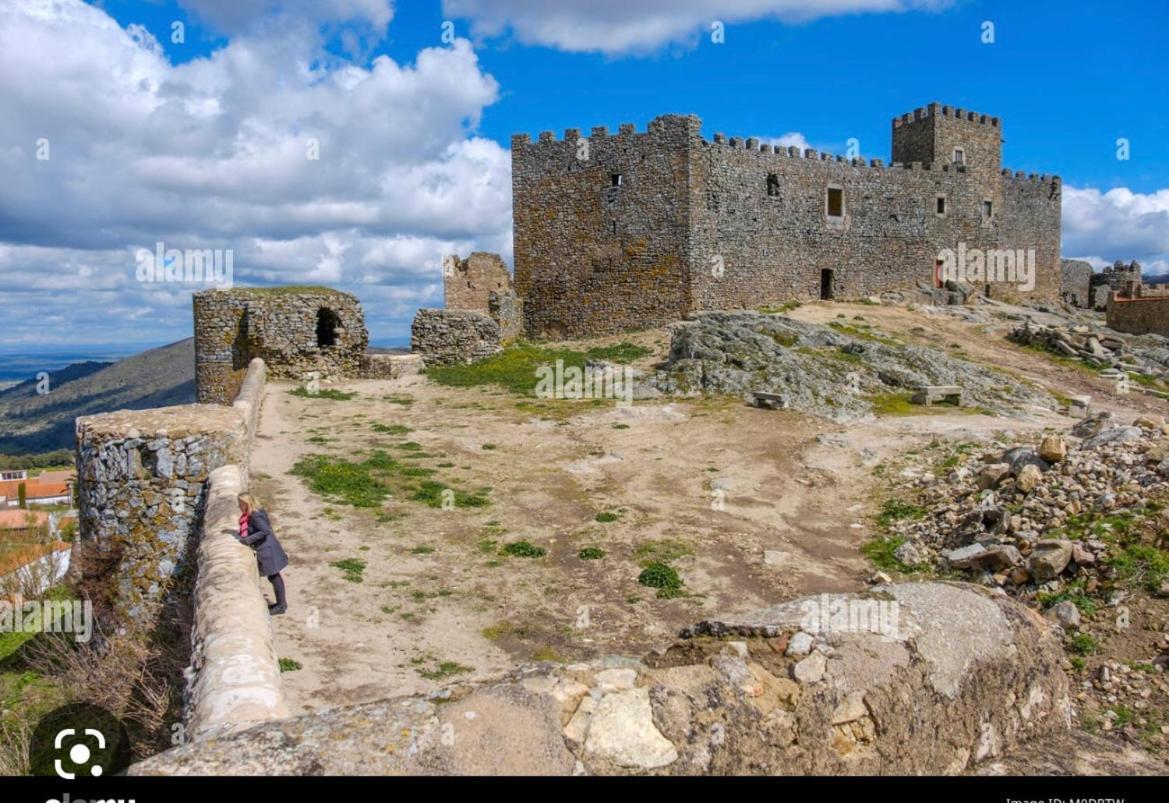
[[987, 210], [959, 156], [941, 206], [616, 179], [772, 185], [835, 202]]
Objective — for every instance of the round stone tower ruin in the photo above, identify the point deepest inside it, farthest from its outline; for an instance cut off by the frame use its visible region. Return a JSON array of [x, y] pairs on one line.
[[294, 330]]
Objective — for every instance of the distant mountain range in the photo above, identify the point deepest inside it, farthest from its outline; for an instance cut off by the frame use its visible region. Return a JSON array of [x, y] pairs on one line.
[[31, 422]]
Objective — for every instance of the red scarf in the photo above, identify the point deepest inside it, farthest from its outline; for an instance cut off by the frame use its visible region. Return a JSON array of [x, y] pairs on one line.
[[243, 525]]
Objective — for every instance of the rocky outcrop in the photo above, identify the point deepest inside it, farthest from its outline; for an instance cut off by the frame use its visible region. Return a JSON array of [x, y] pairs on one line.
[[834, 371], [911, 678]]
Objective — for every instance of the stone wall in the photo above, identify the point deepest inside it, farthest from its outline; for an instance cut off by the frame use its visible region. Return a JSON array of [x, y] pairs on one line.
[[378, 365], [295, 330], [234, 678], [507, 310], [142, 486], [950, 677], [1075, 282], [468, 283], [445, 336], [1139, 316], [637, 229]]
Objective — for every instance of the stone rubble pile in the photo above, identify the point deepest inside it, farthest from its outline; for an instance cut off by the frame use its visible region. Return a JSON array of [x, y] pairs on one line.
[[1116, 355], [1019, 518]]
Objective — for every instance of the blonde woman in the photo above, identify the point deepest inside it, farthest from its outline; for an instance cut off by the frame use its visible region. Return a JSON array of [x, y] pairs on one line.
[[256, 531]]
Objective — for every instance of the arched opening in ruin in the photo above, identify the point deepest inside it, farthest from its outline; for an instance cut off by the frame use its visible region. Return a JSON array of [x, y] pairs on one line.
[[328, 322]]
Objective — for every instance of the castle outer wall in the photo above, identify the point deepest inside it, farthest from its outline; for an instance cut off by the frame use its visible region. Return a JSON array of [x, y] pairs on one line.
[[650, 226]]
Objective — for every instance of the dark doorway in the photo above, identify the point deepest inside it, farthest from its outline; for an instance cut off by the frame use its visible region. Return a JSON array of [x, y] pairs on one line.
[[826, 284], [327, 325]]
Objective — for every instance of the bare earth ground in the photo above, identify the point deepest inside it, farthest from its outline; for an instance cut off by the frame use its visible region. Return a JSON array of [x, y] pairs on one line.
[[438, 599]]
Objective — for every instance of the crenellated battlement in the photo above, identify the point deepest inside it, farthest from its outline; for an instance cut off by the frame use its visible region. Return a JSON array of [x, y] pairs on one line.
[[934, 110], [661, 124]]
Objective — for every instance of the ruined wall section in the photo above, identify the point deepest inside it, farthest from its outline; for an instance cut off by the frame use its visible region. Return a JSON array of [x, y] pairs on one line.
[[1148, 314], [294, 330], [1075, 282], [142, 484], [602, 242]]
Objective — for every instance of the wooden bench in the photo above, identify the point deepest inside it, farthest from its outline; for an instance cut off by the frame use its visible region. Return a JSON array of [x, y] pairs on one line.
[[929, 394]]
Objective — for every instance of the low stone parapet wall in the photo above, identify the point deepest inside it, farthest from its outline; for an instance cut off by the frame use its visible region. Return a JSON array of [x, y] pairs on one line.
[[453, 336], [234, 677]]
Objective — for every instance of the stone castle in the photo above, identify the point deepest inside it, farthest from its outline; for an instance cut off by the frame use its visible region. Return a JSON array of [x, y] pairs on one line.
[[633, 230]]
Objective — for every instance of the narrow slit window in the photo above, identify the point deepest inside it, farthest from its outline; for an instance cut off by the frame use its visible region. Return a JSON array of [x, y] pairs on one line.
[[987, 210], [959, 156], [835, 202], [615, 179], [941, 205]]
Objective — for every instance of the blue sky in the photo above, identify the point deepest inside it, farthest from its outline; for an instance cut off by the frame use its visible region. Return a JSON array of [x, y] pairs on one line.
[[200, 143]]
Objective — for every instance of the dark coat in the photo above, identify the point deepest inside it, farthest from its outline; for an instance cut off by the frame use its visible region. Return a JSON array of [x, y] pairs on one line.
[[269, 554]]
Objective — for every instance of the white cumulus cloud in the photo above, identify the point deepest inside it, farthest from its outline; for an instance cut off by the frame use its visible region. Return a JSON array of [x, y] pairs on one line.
[[1117, 224], [621, 26], [308, 166]]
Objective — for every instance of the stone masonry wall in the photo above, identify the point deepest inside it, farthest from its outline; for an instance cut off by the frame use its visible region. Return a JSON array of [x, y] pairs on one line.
[[601, 243], [294, 330], [468, 283], [651, 226], [142, 486], [1075, 282], [445, 336], [1139, 316]]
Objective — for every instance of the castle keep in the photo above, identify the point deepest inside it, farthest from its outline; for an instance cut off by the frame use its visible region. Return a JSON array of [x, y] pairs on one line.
[[634, 230]]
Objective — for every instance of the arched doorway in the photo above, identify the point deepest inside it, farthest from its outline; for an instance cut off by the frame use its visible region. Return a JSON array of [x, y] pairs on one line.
[[328, 322]]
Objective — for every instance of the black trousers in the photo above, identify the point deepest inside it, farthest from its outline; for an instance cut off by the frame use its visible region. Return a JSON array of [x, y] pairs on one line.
[[278, 586]]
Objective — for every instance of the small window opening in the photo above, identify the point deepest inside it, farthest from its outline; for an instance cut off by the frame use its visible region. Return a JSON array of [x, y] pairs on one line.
[[835, 202], [959, 156], [615, 179], [941, 205], [328, 322], [987, 210], [772, 185]]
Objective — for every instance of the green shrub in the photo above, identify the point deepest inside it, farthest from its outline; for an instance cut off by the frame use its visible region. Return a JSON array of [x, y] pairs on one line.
[[591, 553], [523, 549]]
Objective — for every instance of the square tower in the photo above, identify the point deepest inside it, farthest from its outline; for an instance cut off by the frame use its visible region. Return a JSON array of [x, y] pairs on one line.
[[942, 135]]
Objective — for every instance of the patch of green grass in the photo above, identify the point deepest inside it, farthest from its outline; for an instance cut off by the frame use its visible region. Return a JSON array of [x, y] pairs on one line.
[[391, 429], [607, 516], [547, 654], [880, 551], [1075, 595], [782, 308], [431, 492], [349, 482], [289, 665], [409, 446], [498, 630], [489, 446], [663, 577], [897, 510], [422, 550], [516, 368], [623, 352], [400, 399], [325, 393], [444, 669], [354, 569], [620, 426], [591, 553], [666, 549], [1140, 566], [785, 339], [1084, 644], [523, 549]]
